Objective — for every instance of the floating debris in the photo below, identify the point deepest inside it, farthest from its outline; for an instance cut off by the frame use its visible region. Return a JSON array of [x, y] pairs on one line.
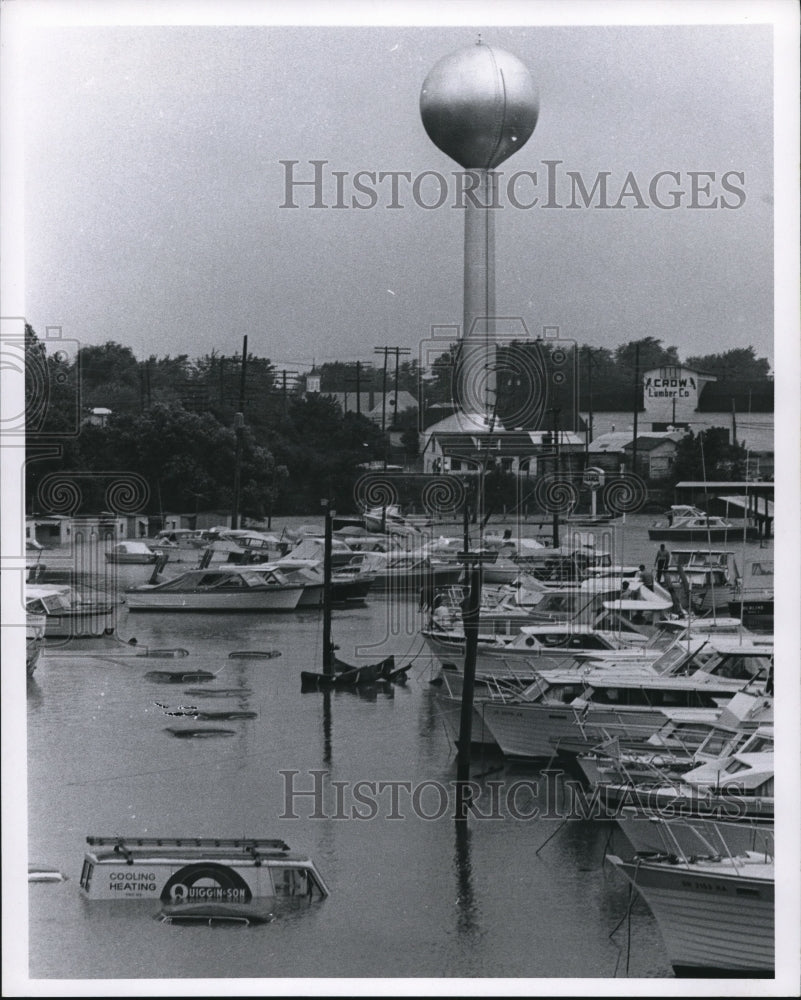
[[218, 692], [246, 654], [198, 734], [347, 676], [179, 676], [164, 654], [193, 712], [41, 873]]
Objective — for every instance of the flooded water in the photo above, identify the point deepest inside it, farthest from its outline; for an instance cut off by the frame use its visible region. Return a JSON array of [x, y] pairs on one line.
[[522, 895]]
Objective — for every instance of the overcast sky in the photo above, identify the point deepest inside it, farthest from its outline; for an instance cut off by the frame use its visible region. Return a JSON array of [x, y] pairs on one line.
[[154, 189]]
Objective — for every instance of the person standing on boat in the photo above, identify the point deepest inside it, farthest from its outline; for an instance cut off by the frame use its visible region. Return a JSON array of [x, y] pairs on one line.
[[661, 562]]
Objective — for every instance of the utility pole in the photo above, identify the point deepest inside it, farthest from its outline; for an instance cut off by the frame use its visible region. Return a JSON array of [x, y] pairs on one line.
[[470, 618], [328, 652], [557, 460], [397, 351], [636, 406], [358, 383], [239, 427], [284, 390], [589, 401]]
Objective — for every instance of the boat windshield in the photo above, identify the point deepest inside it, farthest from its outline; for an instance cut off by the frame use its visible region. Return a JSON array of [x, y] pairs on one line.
[[738, 666]]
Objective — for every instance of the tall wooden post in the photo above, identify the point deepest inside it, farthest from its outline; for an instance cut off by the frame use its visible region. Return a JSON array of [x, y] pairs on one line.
[[328, 652]]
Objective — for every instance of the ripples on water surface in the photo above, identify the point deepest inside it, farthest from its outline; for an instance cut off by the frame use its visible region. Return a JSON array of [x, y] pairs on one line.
[[409, 897]]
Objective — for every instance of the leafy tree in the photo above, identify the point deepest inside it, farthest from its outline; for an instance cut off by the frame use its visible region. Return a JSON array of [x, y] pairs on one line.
[[709, 455], [740, 364]]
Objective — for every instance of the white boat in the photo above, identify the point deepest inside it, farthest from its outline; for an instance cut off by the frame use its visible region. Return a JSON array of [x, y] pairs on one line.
[[407, 573], [574, 711], [193, 870], [535, 648], [242, 546], [223, 587], [181, 538], [752, 597], [390, 520], [66, 613], [715, 913], [685, 523], [347, 587], [133, 553], [691, 767]]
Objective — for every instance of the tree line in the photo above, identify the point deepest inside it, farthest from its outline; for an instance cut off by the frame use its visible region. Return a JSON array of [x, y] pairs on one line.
[[172, 418]]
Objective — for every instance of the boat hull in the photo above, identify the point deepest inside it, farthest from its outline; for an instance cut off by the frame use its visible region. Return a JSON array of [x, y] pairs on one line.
[[450, 711], [542, 731], [131, 560], [755, 613], [277, 599], [731, 534], [711, 922]]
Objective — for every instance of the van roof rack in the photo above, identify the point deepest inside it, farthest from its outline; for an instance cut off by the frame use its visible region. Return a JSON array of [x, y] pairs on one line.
[[248, 845]]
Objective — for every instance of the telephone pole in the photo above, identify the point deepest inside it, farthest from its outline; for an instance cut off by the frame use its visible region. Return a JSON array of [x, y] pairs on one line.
[[239, 427], [358, 383], [397, 351]]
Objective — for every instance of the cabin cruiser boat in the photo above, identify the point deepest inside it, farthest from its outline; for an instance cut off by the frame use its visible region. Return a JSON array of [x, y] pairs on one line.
[[499, 612], [574, 710], [347, 587], [715, 910], [535, 648], [390, 520], [752, 601], [242, 546], [691, 762], [702, 581], [407, 573], [66, 613], [223, 587], [181, 538], [132, 553], [685, 523], [186, 871]]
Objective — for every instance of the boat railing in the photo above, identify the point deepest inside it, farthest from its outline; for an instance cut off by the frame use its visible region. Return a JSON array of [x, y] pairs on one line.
[[506, 689], [674, 848]]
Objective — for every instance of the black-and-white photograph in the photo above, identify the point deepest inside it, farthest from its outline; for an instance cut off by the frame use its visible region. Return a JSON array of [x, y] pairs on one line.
[[400, 411]]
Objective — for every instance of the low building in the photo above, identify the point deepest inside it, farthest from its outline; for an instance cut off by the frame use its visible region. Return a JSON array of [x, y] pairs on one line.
[[656, 452], [466, 443], [656, 456], [371, 404]]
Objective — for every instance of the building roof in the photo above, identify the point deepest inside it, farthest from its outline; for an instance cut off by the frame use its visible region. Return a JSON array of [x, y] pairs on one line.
[[617, 441], [648, 443]]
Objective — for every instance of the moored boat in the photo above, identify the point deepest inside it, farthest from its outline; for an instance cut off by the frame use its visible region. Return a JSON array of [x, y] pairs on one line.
[[227, 587], [66, 614], [752, 598], [684, 523], [715, 913], [132, 553]]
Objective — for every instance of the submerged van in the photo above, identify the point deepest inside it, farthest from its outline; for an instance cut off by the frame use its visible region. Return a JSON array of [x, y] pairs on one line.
[[192, 870]]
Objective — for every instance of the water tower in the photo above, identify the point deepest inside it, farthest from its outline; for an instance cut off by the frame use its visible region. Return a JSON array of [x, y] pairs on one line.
[[479, 105]]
